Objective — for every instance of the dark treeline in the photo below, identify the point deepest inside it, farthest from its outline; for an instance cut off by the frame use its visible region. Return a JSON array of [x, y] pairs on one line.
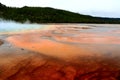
[[49, 15]]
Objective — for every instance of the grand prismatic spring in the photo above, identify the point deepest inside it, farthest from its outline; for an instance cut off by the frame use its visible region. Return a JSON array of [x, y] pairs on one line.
[[59, 51]]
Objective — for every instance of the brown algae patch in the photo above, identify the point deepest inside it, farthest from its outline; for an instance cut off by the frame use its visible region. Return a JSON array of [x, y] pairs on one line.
[[1, 42]]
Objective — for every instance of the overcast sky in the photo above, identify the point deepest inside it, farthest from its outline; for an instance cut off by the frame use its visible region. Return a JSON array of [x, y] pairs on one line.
[[104, 8]]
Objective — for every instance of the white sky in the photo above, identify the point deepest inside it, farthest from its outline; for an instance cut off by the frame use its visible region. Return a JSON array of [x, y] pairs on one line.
[[105, 8]]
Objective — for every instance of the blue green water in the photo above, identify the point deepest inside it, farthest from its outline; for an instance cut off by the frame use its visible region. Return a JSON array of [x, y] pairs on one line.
[[10, 26]]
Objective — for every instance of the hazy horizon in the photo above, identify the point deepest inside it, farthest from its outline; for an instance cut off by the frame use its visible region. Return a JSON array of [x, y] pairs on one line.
[[101, 8]]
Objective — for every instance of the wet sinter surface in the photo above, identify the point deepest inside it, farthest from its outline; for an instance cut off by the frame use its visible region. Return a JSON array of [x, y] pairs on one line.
[[64, 52]]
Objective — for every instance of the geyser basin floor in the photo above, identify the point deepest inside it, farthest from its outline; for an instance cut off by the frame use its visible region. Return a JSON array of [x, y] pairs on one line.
[[67, 52]]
